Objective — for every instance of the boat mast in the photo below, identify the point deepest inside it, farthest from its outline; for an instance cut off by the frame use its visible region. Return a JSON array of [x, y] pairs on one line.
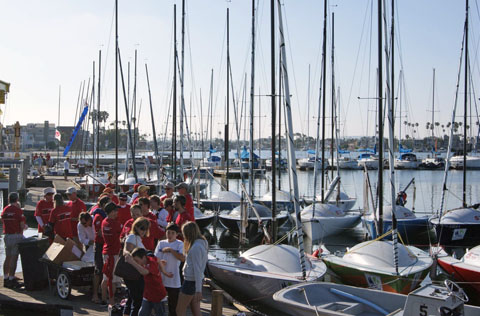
[[324, 99], [153, 128], [226, 147], [58, 121], [465, 95], [391, 136], [252, 99], [380, 123], [333, 93], [273, 96], [93, 121], [116, 95], [182, 95], [308, 111], [433, 110], [174, 112], [97, 164], [290, 145]]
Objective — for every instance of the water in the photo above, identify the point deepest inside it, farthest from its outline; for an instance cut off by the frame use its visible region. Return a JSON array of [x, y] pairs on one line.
[[28, 233]]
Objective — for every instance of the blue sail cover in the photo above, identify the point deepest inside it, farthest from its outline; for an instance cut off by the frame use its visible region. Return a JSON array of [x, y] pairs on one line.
[[75, 131], [404, 150], [245, 154], [211, 149], [340, 151], [367, 150], [311, 152]]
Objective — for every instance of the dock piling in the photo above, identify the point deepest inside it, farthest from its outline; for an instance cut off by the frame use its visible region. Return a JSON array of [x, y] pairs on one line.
[[217, 303]]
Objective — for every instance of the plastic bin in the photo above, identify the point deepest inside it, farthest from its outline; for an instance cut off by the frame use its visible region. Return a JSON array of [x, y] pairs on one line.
[[34, 273]]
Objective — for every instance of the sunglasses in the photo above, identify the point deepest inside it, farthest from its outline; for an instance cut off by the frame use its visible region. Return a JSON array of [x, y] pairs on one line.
[[122, 199], [142, 228]]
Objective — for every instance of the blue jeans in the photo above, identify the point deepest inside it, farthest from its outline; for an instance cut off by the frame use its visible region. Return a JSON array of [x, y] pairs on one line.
[[147, 307]]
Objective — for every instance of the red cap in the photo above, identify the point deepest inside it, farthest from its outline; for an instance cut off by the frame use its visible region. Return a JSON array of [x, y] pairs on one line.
[[135, 187]]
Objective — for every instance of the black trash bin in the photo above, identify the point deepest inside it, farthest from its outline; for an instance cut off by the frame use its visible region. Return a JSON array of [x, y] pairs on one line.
[[34, 273]]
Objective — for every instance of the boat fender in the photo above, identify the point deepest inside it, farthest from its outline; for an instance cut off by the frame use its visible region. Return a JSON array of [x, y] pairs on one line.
[[317, 253]]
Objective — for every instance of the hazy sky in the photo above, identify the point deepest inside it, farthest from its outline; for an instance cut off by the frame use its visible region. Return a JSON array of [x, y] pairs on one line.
[[50, 43]]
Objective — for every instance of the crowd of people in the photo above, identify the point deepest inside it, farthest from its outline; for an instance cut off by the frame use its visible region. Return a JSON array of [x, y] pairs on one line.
[[155, 238]]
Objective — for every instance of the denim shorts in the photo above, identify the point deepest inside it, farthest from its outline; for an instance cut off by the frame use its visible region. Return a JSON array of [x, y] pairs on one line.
[[188, 287]]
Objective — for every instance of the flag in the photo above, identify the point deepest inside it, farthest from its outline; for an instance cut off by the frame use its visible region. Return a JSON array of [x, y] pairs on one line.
[[58, 136]]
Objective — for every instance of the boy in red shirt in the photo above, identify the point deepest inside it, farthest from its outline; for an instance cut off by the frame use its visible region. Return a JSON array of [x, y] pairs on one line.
[[183, 214], [111, 230], [124, 209], [154, 291], [60, 218], [77, 207], [182, 190], [13, 227], [98, 217], [44, 208]]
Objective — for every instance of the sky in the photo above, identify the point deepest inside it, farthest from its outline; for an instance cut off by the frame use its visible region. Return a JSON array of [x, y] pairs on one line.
[[51, 45]]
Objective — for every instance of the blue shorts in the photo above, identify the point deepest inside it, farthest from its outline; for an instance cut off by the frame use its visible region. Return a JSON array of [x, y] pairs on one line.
[[188, 287]]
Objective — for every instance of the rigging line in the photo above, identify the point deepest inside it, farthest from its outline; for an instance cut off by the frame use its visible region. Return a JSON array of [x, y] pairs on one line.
[[221, 73], [112, 23], [292, 69]]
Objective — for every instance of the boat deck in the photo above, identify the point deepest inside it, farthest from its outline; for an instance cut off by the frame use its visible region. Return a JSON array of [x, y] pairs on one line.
[[80, 300]]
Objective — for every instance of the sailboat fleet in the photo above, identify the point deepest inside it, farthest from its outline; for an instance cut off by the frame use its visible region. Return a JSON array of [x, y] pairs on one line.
[[374, 276]]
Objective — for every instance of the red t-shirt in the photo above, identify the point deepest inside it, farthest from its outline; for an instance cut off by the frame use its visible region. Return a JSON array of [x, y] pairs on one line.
[[43, 210], [111, 230], [93, 209], [97, 225], [156, 233], [182, 218], [162, 198], [154, 290], [61, 218], [77, 207], [127, 227], [189, 206], [114, 199], [12, 216], [151, 216], [124, 214]]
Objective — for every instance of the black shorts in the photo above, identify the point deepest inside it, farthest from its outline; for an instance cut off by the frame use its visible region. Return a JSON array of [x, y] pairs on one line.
[[188, 287], [98, 258]]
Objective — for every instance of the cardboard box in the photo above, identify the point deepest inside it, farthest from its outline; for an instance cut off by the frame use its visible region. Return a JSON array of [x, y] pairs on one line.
[[61, 251]]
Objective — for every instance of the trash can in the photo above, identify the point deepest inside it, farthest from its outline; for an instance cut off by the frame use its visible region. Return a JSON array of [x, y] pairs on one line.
[[34, 273]]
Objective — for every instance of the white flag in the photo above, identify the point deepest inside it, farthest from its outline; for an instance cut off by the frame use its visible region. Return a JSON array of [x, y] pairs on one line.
[[58, 136]]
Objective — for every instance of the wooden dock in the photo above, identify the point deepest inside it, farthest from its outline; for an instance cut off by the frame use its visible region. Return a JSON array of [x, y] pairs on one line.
[[80, 300]]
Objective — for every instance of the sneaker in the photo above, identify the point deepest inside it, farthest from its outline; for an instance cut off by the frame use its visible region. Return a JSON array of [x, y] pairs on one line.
[[15, 284], [7, 283]]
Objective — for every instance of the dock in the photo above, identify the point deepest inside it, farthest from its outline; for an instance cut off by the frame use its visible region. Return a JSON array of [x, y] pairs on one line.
[[80, 300]]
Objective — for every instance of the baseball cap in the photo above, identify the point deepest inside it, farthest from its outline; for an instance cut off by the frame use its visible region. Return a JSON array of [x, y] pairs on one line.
[[48, 190], [169, 185], [123, 195], [182, 185], [71, 190], [135, 187], [143, 188]]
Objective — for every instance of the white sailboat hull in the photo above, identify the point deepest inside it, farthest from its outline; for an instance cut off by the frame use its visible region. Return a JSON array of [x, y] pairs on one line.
[[320, 227]]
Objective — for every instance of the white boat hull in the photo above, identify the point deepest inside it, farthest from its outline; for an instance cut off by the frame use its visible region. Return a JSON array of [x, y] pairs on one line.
[[473, 162], [321, 227], [405, 164]]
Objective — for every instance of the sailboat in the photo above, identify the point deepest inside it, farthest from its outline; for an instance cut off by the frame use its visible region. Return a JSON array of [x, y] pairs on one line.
[[459, 227], [383, 264], [268, 268]]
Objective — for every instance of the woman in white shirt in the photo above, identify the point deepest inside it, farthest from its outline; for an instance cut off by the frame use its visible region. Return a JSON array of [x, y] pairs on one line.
[[140, 229], [86, 232]]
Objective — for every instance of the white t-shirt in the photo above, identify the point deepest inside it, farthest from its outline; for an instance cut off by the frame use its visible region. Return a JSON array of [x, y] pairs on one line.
[[162, 218], [135, 240], [66, 165], [173, 264]]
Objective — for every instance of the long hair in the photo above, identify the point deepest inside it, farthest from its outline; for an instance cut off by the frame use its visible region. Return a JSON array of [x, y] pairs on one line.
[[58, 198], [191, 232], [141, 223]]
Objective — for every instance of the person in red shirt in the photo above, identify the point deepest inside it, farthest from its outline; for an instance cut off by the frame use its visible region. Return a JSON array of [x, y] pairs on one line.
[[44, 207], [183, 215], [111, 194], [154, 291], [142, 193], [60, 218], [77, 207], [182, 190], [111, 230], [98, 216], [169, 188], [172, 213], [156, 233], [124, 209], [13, 227]]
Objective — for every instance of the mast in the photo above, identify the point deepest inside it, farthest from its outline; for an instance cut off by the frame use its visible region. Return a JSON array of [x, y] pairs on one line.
[[391, 136], [174, 121], [134, 105], [290, 146], [308, 110], [380, 123], [93, 121], [211, 108], [98, 108], [433, 107], [153, 128], [226, 149], [279, 122], [128, 120], [116, 95], [272, 65], [465, 95], [324, 97], [252, 99], [333, 94], [58, 122], [182, 95]]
